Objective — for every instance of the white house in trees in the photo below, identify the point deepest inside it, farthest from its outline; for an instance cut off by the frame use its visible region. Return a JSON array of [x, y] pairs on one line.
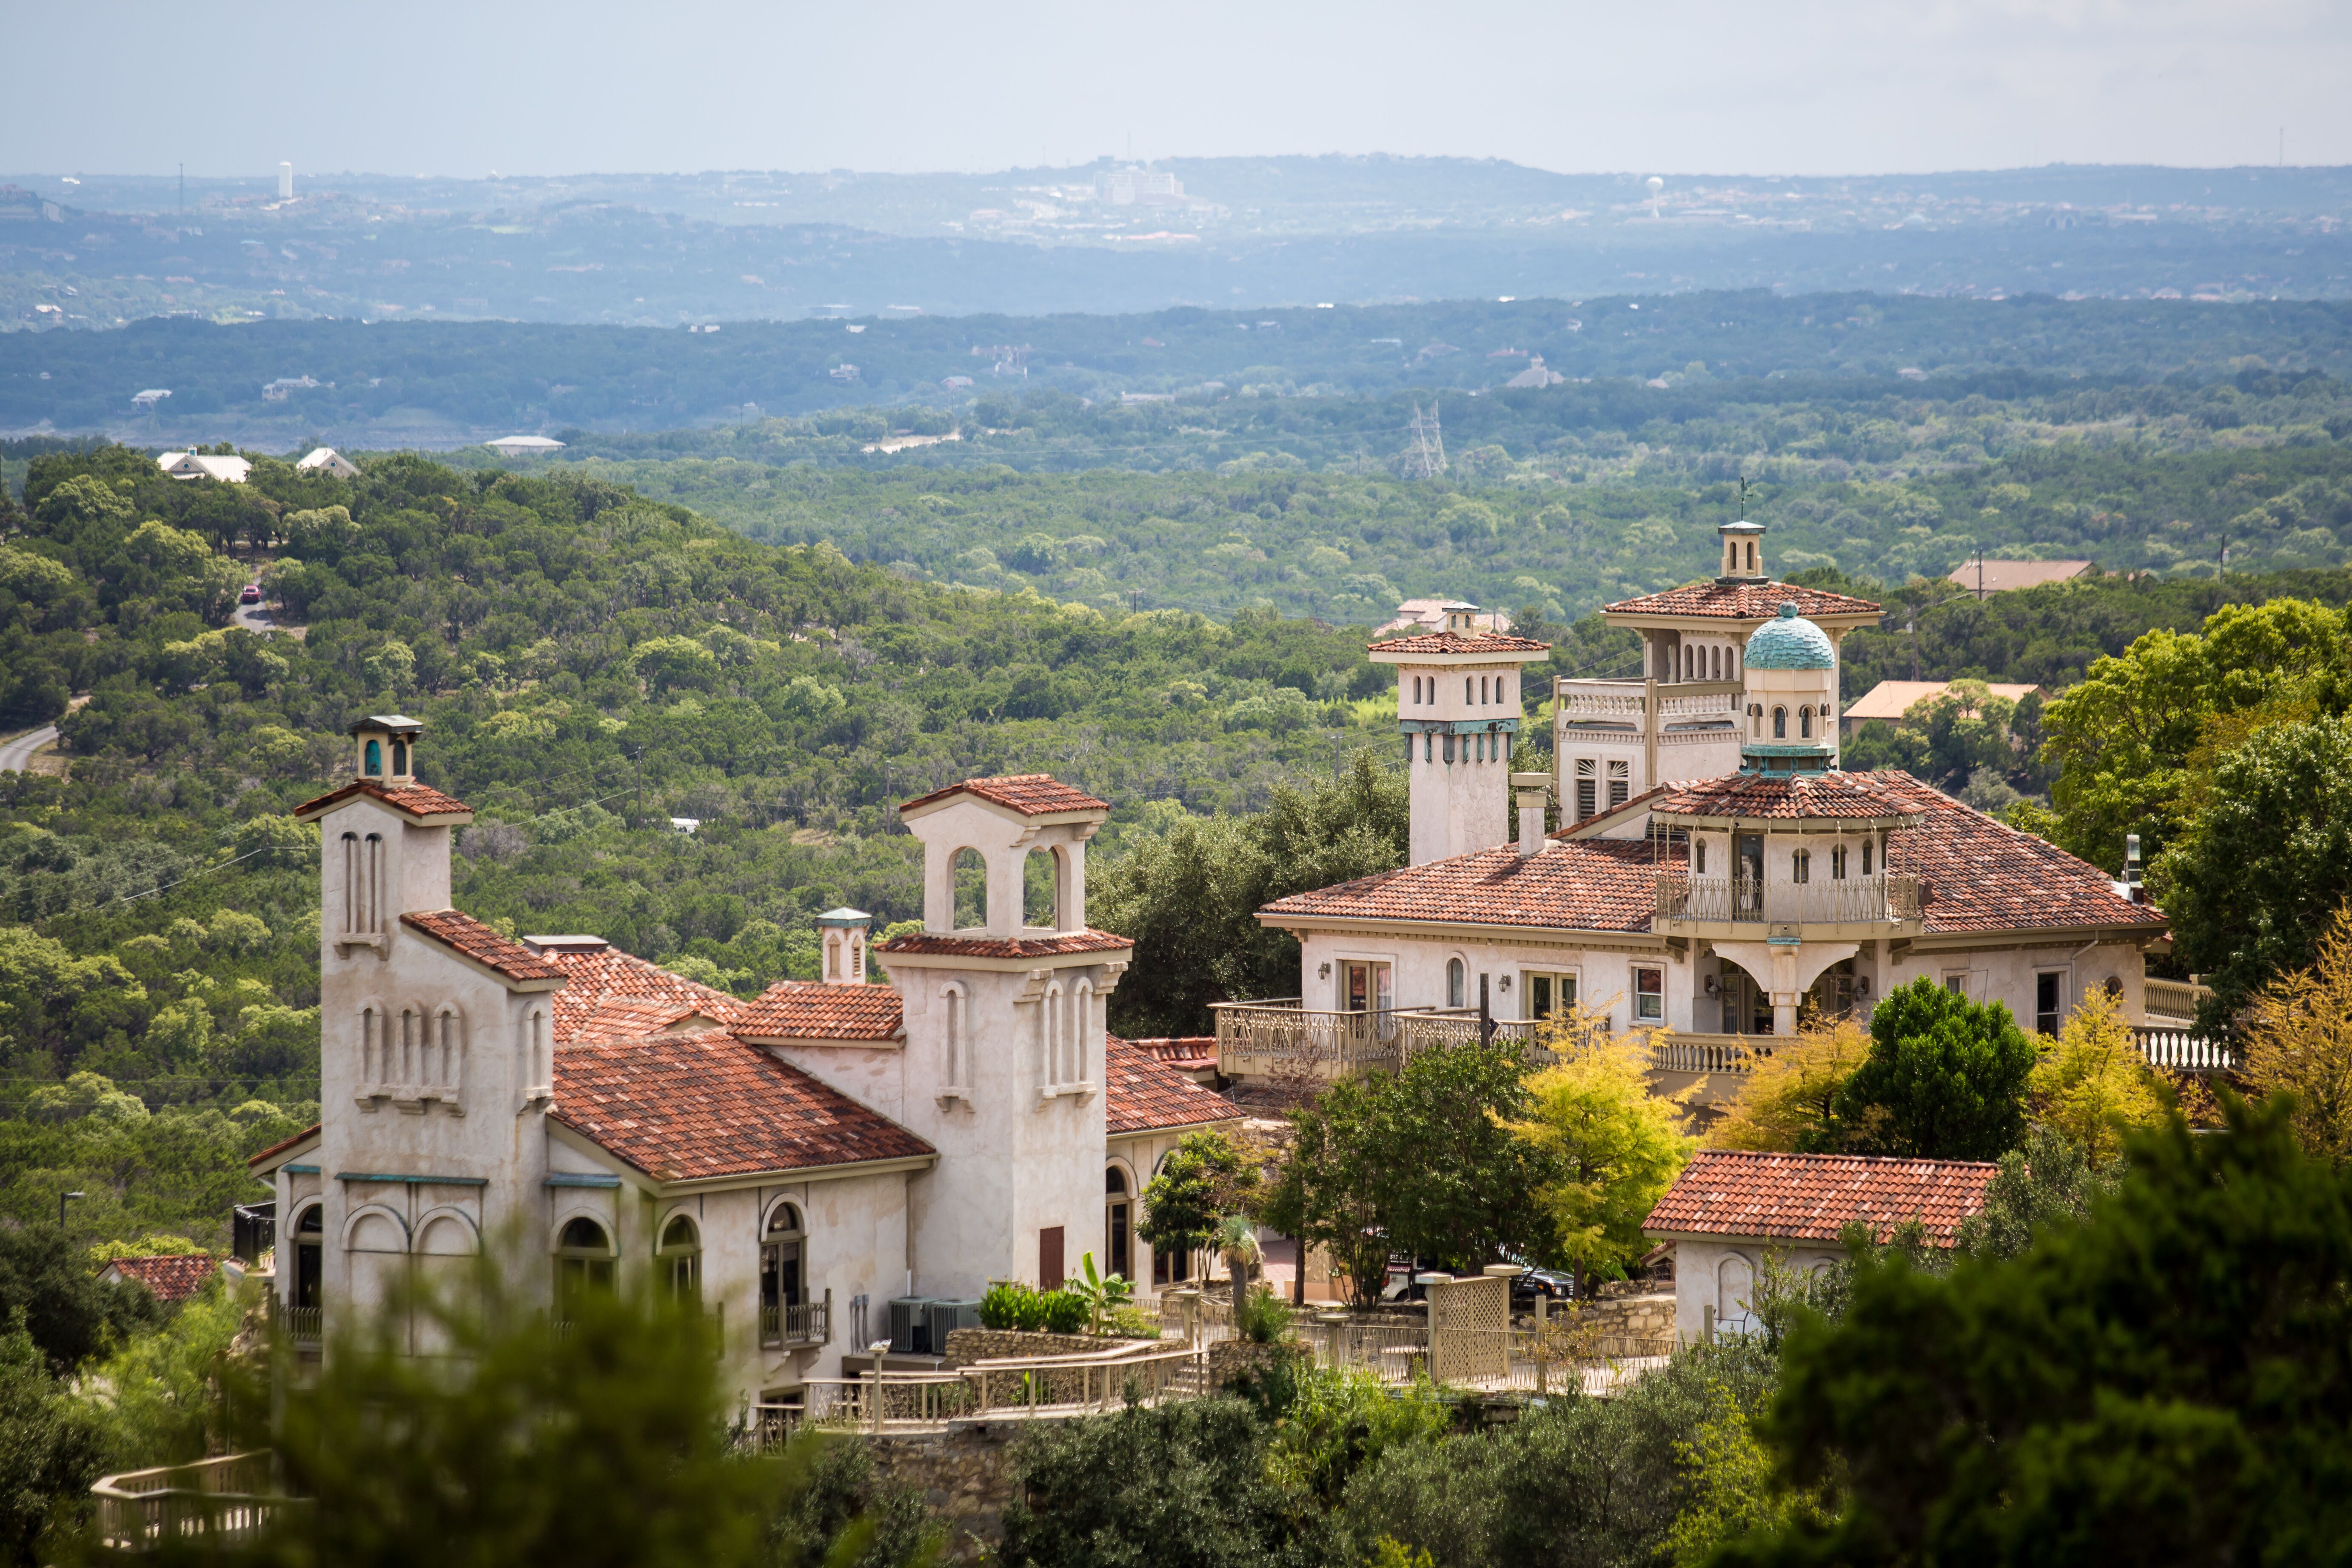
[[799, 1164], [1713, 870]]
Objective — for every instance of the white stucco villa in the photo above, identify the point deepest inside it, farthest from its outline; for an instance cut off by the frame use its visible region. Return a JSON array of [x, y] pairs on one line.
[[1714, 870], [832, 1163]]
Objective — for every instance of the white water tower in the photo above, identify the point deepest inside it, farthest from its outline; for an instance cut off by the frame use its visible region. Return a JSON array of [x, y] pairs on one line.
[[1656, 184]]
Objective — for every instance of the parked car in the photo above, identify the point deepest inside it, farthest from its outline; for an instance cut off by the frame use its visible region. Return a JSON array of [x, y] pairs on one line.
[[1532, 1285], [252, 595]]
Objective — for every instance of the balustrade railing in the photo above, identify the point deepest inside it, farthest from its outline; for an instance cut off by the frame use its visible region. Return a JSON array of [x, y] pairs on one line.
[[218, 1501], [2184, 1050], [2173, 998], [1820, 901], [885, 1401], [797, 1322], [1255, 1038]]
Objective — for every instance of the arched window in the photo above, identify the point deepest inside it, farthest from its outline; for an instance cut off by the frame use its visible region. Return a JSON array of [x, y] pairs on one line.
[[374, 765], [310, 1266], [1115, 1220], [1699, 850], [1779, 723], [583, 1262], [1041, 893], [971, 874], [403, 1068], [372, 885], [1801, 865], [447, 1048], [1457, 980], [955, 1072], [858, 956], [680, 1254], [371, 1049], [399, 758], [784, 1315], [1735, 1287], [350, 882], [1805, 722], [1718, 664]]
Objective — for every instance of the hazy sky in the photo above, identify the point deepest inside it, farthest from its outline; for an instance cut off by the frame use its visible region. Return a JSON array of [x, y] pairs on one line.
[[1804, 86]]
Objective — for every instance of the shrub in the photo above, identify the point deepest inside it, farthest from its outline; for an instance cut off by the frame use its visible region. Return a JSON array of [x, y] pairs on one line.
[[1066, 1311], [1009, 1305], [1263, 1317]]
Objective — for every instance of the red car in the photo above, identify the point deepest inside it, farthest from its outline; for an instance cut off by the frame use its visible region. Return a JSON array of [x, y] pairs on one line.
[[252, 595]]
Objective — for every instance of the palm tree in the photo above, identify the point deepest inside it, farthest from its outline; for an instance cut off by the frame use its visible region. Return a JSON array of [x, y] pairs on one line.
[[1237, 1238]]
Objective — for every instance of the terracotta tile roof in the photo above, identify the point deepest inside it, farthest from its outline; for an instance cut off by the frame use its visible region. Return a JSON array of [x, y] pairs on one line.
[[416, 799], [1089, 940], [616, 1018], [1454, 642], [455, 929], [285, 1143], [1786, 797], [1594, 884], [691, 1106], [803, 1010], [1740, 601], [1031, 794], [1985, 876], [1141, 1092], [1812, 1197], [171, 1278], [603, 987]]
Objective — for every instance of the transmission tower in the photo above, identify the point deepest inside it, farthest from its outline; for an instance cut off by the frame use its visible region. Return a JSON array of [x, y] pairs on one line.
[[1426, 459]]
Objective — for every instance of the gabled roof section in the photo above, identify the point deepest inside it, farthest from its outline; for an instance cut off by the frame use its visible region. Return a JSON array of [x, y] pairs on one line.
[[1985, 876], [277, 1152], [685, 1107], [1443, 642], [174, 1279], [1142, 1093], [1741, 601], [468, 937], [1031, 794], [1597, 885], [607, 992], [804, 1010], [422, 802], [926, 943], [1813, 1197]]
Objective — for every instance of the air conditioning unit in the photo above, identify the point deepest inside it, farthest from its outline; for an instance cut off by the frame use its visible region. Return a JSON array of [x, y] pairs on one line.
[[911, 1327], [947, 1316]]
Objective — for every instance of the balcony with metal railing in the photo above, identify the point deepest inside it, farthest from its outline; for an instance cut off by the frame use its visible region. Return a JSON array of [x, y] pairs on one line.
[[1280, 1039], [784, 1323], [1744, 907]]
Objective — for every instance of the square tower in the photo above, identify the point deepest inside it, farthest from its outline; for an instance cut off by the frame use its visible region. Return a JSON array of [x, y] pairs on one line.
[[1458, 708]]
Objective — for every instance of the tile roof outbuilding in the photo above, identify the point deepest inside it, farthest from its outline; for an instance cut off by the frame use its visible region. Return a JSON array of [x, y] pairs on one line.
[[1813, 1197], [685, 1108], [174, 1279]]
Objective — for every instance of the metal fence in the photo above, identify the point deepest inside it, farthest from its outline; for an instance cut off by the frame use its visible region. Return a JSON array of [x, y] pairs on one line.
[[219, 1501]]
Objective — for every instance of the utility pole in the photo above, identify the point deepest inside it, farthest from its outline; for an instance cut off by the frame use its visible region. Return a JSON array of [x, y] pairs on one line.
[[1915, 646], [63, 1199], [1981, 589]]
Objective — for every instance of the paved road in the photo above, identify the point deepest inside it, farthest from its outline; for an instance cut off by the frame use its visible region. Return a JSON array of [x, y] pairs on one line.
[[17, 755]]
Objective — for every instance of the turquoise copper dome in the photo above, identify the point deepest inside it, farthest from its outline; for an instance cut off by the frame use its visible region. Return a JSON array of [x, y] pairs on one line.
[[1790, 642]]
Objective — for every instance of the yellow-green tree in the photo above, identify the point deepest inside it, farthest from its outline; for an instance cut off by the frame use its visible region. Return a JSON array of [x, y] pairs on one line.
[[2299, 1039], [2092, 1083], [1788, 1104], [1615, 1146]]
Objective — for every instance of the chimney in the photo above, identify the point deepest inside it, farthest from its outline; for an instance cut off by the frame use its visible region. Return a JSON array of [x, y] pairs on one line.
[[845, 945], [1530, 790], [2133, 890]]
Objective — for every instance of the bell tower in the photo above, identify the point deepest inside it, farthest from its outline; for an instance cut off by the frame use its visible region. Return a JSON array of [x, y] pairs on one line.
[[1458, 709]]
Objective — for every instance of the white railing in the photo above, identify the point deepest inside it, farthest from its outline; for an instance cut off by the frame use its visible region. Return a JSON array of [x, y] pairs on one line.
[[1600, 703], [2173, 998], [1257, 1038], [1705, 1052], [885, 1401], [1823, 900], [1691, 703], [2184, 1050], [212, 1500]]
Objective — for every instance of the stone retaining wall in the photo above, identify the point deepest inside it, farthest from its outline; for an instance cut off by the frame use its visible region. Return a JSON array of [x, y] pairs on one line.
[[965, 1477], [1626, 1321], [967, 1345]]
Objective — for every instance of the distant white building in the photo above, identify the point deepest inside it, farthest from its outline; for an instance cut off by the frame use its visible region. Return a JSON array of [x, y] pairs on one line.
[[327, 460], [524, 445], [198, 466], [285, 387], [1127, 187], [1430, 614], [147, 399], [1536, 375]]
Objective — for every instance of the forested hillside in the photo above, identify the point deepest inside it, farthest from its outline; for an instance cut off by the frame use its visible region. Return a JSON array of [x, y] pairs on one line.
[[413, 382]]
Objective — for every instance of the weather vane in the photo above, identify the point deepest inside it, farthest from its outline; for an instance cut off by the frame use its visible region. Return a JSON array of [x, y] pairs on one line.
[[1743, 498]]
